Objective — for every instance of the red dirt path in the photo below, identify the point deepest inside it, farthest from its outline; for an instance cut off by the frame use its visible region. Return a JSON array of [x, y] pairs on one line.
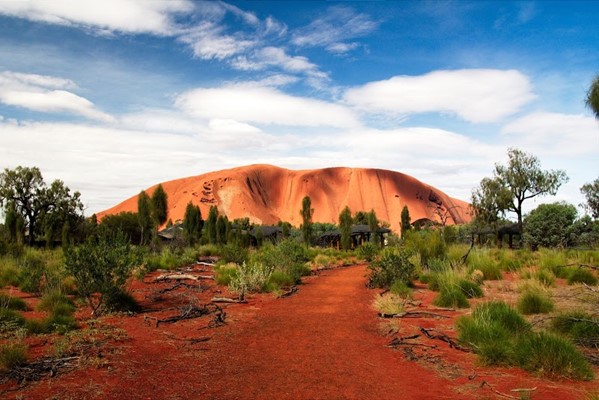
[[325, 342]]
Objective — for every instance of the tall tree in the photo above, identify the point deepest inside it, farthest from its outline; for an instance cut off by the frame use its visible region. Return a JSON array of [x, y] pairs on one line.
[[373, 225], [211, 224], [521, 179], [24, 189], [592, 99], [192, 223], [306, 212], [345, 224], [222, 223], [591, 193], [144, 216], [405, 220], [160, 205]]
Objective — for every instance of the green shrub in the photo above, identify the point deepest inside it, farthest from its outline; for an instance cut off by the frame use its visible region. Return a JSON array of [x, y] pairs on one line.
[[12, 354], [208, 250], [483, 261], [429, 244], [580, 275], [224, 273], [552, 356], [368, 251], [581, 327], [451, 296], [102, 267], [10, 320], [534, 302], [502, 314], [510, 260], [54, 299], [9, 272], [13, 303], [401, 289], [392, 266], [469, 288], [233, 253], [279, 279], [545, 277], [250, 277], [32, 272], [554, 261]]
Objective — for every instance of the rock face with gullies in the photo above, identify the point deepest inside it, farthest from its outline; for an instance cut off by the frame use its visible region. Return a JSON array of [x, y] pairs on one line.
[[268, 194]]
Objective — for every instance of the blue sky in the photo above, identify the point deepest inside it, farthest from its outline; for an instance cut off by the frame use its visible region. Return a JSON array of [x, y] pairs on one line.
[[115, 96]]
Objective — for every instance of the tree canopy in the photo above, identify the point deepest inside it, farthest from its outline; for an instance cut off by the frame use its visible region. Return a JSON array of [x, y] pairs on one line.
[[405, 220], [192, 223], [512, 184], [345, 224], [160, 205], [592, 99], [306, 212], [42, 208], [591, 193], [144, 216], [548, 225]]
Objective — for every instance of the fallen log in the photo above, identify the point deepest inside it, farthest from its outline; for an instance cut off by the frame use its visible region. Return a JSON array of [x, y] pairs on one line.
[[181, 277], [289, 292]]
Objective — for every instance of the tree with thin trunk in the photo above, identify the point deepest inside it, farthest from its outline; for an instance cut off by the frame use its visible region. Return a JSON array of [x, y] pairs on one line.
[[211, 224], [345, 224], [306, 212], [591, 193], [592, 100], [144, 216], [520, 180], [192, 223]]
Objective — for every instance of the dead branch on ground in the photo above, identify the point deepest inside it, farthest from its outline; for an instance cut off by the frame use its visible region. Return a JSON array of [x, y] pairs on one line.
[[190, 312], [181, 277], [39, 369], [507, 396], [445, 338], [226, 300], [292, 290], [401, 341], [413, 314]]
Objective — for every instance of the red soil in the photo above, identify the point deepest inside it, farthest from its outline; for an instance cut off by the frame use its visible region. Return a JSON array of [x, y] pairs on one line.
[[325, 342], [267, 194]]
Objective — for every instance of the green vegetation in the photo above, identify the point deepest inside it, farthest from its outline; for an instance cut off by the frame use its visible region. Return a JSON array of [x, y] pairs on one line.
[[581, 327], [306, 212], [548, 225], [534, 302], [345, 224], [405, 221], [12, 354], [580, 275], [392, 266]]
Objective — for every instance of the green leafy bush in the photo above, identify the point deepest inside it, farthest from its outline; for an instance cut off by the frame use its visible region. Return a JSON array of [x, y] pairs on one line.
[[429, 244], [102, 267], [552, 356], [392, 266], [32, 272], [288, 256], [233, 253], [368, 251]]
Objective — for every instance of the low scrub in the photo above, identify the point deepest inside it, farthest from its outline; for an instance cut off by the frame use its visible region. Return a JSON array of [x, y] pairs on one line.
[[368, 251], [483, 261], [389, 304], [552, 356], [581, 327], [580, 275], [401, 289], [393, 266], [12, 354], [534, 302], [12, 303], [250, 277], [223, 274]]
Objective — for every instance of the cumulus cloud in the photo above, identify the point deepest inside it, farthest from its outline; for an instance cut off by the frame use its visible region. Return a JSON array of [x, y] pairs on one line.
[[475, 95], [263, 105], [334, 30], [554, 133], [208, 41], [46, 94], [133, 16]]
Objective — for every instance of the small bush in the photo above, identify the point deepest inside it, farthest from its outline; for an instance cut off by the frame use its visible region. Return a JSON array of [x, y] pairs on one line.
[[503, 314], [32, 272], [224, 273], [322, 261], [580, 275], [233, 253], [250, 278], [451, 296], [401, 289], [484, 262], [392, 266], [368, 251], [552, 356], [208, 250], [534, 302], [12, 354], [581, 327], [279, 279], [10, 320], [13, 303], [471, 289], [54, 299], [389, 304], [429, 244]]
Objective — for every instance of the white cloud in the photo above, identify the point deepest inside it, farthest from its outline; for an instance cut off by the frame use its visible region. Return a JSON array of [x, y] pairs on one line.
[[46, 94], [476, 95], [334, 29], [263, 105], [208, 41], [554, 133], [131, 16]]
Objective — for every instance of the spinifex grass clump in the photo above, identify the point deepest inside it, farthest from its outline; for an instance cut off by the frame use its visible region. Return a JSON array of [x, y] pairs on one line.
[[580, 275], [492, 331], [581, 327], [484, 261], [552, 356], [454, 290], [534, 302]]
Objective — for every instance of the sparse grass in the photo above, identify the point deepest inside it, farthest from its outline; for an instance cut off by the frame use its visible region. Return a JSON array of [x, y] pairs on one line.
[[470, 288], [54, 299], [554, 261], [451, 293], [402, 290], [10, 320], [13, 303], [552, 356]]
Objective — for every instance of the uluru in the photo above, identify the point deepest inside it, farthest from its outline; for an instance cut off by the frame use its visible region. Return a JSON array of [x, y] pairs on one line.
[[268, 194]]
